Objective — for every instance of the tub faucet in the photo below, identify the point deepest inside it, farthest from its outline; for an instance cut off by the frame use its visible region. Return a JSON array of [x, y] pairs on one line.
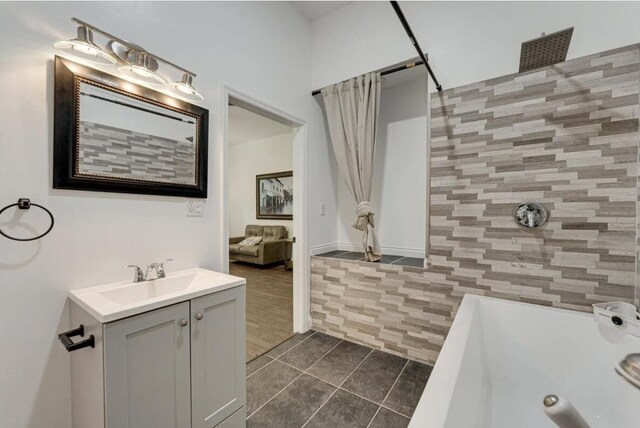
[[629, 368], [562, 413]]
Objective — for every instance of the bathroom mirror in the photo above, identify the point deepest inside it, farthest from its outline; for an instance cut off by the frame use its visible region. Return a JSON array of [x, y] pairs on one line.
[[114, 136]]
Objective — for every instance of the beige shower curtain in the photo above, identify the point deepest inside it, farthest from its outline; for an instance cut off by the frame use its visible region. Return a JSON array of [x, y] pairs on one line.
[[352, 114]]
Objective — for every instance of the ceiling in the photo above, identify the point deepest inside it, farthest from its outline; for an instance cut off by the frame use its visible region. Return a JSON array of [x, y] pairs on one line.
[[313, 10], [245, 126]]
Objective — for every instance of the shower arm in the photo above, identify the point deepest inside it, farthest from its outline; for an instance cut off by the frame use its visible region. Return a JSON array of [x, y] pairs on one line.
[[414, 42]]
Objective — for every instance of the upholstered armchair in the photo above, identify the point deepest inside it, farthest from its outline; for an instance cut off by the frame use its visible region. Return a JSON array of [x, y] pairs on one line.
[[271, 249]]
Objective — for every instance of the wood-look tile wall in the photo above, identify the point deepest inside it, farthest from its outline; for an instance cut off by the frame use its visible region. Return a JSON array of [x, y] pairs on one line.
[[565, 136]]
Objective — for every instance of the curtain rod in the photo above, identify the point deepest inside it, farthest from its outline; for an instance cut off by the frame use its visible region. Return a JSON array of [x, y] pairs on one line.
[[414, 41], [389, 71]]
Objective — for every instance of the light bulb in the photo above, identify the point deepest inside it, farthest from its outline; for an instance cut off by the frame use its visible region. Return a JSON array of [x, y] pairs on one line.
[[185, 89], [141, 74], [83, 47]]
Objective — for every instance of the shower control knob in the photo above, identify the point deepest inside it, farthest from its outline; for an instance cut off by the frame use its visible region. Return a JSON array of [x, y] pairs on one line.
[[199, 316], [616, 320], [530, 215], [184, 323]]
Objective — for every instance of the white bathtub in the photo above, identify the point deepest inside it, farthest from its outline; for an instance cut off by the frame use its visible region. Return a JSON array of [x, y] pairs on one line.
[[501, 358]]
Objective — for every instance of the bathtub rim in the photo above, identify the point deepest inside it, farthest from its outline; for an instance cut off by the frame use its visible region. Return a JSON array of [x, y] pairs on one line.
[[432, 410]]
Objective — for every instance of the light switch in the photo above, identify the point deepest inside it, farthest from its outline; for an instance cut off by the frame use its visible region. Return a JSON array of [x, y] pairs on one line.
[[323, 209], [194, 209]]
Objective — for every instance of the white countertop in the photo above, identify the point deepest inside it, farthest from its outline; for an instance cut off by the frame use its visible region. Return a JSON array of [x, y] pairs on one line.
[[111, 302]]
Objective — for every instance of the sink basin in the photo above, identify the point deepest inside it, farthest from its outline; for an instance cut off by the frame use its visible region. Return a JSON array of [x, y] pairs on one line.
[[137, 292], [110, 302]]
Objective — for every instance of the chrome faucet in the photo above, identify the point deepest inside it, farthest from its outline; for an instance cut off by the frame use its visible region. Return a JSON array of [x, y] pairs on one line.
[[159, 268], [139, 276]]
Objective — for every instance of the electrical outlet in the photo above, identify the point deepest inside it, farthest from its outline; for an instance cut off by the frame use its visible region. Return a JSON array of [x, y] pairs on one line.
[[323, 209], [194, 209]]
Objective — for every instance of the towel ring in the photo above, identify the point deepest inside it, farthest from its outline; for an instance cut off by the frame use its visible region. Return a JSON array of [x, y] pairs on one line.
[[25, 204]]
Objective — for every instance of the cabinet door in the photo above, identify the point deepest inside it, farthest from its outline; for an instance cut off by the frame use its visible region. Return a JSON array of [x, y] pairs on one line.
[[217, 356], [147, 370], [237, 420]]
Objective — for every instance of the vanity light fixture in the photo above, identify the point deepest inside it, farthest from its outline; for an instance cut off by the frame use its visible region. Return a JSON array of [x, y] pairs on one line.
[[84, 48], [185, 89], [141, 67], [133, 61]]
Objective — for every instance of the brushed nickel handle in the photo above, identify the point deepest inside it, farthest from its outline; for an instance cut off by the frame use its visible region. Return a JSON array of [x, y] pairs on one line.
[[138, 275], [199, 316], [184, 322]]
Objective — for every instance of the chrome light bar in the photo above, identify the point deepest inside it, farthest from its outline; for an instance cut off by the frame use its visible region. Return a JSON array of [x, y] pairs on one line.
[[132, 60]]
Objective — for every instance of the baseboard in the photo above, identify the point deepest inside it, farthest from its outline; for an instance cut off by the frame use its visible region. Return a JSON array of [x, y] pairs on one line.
[[393, 251], [309, 325], [324, 248]]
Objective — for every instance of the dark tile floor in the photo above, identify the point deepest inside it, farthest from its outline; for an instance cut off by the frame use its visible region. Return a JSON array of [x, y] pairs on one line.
[[388, 259], [316, 380]]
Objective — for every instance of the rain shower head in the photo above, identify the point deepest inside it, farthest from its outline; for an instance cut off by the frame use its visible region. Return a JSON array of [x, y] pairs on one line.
[[545, 50]]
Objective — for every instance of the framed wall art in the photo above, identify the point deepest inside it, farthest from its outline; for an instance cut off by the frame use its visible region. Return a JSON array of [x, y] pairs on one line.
[[274, 196]]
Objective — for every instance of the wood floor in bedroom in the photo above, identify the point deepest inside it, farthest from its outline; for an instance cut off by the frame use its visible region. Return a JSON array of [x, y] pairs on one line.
[[269, 306]]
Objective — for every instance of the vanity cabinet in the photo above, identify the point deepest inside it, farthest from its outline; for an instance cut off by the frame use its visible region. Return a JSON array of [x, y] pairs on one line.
[[147, 370], [217, 357], [178, 366]]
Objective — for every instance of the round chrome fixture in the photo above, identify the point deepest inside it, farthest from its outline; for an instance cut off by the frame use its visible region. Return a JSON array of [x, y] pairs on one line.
[[84, 48], [185, 89], [141, 67], [199, 316], [530, 215]]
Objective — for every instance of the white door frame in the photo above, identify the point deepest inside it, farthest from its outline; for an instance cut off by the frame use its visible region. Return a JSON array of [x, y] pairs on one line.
[[301, 271]]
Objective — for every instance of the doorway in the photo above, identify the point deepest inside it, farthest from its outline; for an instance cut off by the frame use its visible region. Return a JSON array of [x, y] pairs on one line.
[[264, 150]]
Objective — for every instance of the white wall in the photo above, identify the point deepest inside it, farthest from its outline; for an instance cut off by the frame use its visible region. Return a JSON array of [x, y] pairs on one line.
[[246, 160], [398, 194], [467, 41], [262, 49]]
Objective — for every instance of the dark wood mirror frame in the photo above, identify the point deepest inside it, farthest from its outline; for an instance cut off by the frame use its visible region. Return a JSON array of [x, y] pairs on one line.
[[68, 76]]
